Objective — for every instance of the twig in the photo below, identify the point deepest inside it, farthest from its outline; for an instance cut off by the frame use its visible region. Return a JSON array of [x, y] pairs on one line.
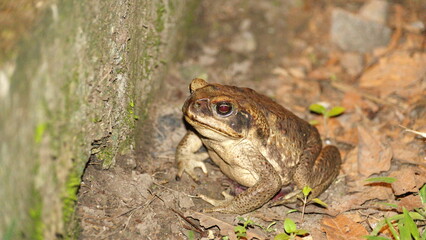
[[195, 227]]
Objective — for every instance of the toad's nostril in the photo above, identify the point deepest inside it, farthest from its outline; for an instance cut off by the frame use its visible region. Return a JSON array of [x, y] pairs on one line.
[[200, 103]]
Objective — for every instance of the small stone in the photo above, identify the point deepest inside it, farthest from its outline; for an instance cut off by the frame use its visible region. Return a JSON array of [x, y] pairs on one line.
[[243, 42], [354, 33], [353, 63], [376, 10]]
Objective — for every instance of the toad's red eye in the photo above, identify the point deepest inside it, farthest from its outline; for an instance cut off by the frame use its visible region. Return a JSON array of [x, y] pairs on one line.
[[224, 108]]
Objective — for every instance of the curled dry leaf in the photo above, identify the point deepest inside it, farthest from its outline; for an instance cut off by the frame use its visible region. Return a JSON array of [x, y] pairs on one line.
[[374, 154], [226, 229], [342, 228]]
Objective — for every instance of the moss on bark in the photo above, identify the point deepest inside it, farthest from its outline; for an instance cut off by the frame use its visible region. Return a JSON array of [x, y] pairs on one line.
[[81, 81]]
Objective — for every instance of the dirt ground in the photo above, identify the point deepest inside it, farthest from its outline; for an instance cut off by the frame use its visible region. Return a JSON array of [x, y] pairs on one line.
[[282, 49]]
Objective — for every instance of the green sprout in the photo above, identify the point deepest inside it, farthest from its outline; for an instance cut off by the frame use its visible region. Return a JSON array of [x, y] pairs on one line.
[[241, 230], [326, 113], [290, 231], [306, 192]]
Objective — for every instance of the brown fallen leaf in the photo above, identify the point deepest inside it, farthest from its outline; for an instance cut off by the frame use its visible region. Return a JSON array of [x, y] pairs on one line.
[[397, 73], [226, 229], [342, 228], [350, 164], [374, 154], [410, 202], [409, 179], [407, 152], [364, 194]]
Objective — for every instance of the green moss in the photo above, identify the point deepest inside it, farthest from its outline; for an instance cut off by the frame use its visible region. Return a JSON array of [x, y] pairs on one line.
[[107, 156], [159, 21], [39, 131], [132, 115], [70, 196]]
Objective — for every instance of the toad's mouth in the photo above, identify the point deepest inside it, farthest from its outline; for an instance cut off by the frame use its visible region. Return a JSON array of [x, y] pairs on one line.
[[192, 120]]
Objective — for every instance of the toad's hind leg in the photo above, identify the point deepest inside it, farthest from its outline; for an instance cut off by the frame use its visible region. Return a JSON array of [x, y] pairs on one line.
[[321, 172]]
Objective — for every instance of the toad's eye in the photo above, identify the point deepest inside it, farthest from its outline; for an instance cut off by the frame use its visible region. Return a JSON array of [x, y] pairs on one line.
[[224, 108]]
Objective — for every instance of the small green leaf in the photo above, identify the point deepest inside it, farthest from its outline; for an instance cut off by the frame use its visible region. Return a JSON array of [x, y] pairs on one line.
[[306, 191], [317, 108], [410, 224], [292, 211], [382, 223], [335, 111], [314, 122], [282, 236], [239, 228], [392, 229], [388, 204], [269, 227], [416, 216], [289, 226], [248, 222], [375, 238], [320, 202], [381, 179], [422, 194], [403, 231]]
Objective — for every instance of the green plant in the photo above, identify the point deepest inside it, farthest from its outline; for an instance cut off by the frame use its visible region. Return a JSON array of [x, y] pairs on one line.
[[241, 230], [402, 226], [306, 191], [326, 113], [290, 231], [244, 224], [191, 235]]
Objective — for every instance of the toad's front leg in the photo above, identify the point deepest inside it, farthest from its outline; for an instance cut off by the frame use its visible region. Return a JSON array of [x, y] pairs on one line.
[[187, 157], [268, 184]]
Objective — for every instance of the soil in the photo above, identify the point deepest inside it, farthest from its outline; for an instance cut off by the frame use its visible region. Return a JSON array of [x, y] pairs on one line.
[[283, 50]]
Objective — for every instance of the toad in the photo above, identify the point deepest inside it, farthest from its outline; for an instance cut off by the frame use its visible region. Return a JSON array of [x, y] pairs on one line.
[[254, 141]]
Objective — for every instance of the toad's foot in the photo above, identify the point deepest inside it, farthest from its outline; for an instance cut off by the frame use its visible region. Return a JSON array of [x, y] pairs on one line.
[[189, 162], [219, 205]]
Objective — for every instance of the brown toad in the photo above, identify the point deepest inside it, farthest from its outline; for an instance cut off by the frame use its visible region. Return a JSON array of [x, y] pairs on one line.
[[255, 142]]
